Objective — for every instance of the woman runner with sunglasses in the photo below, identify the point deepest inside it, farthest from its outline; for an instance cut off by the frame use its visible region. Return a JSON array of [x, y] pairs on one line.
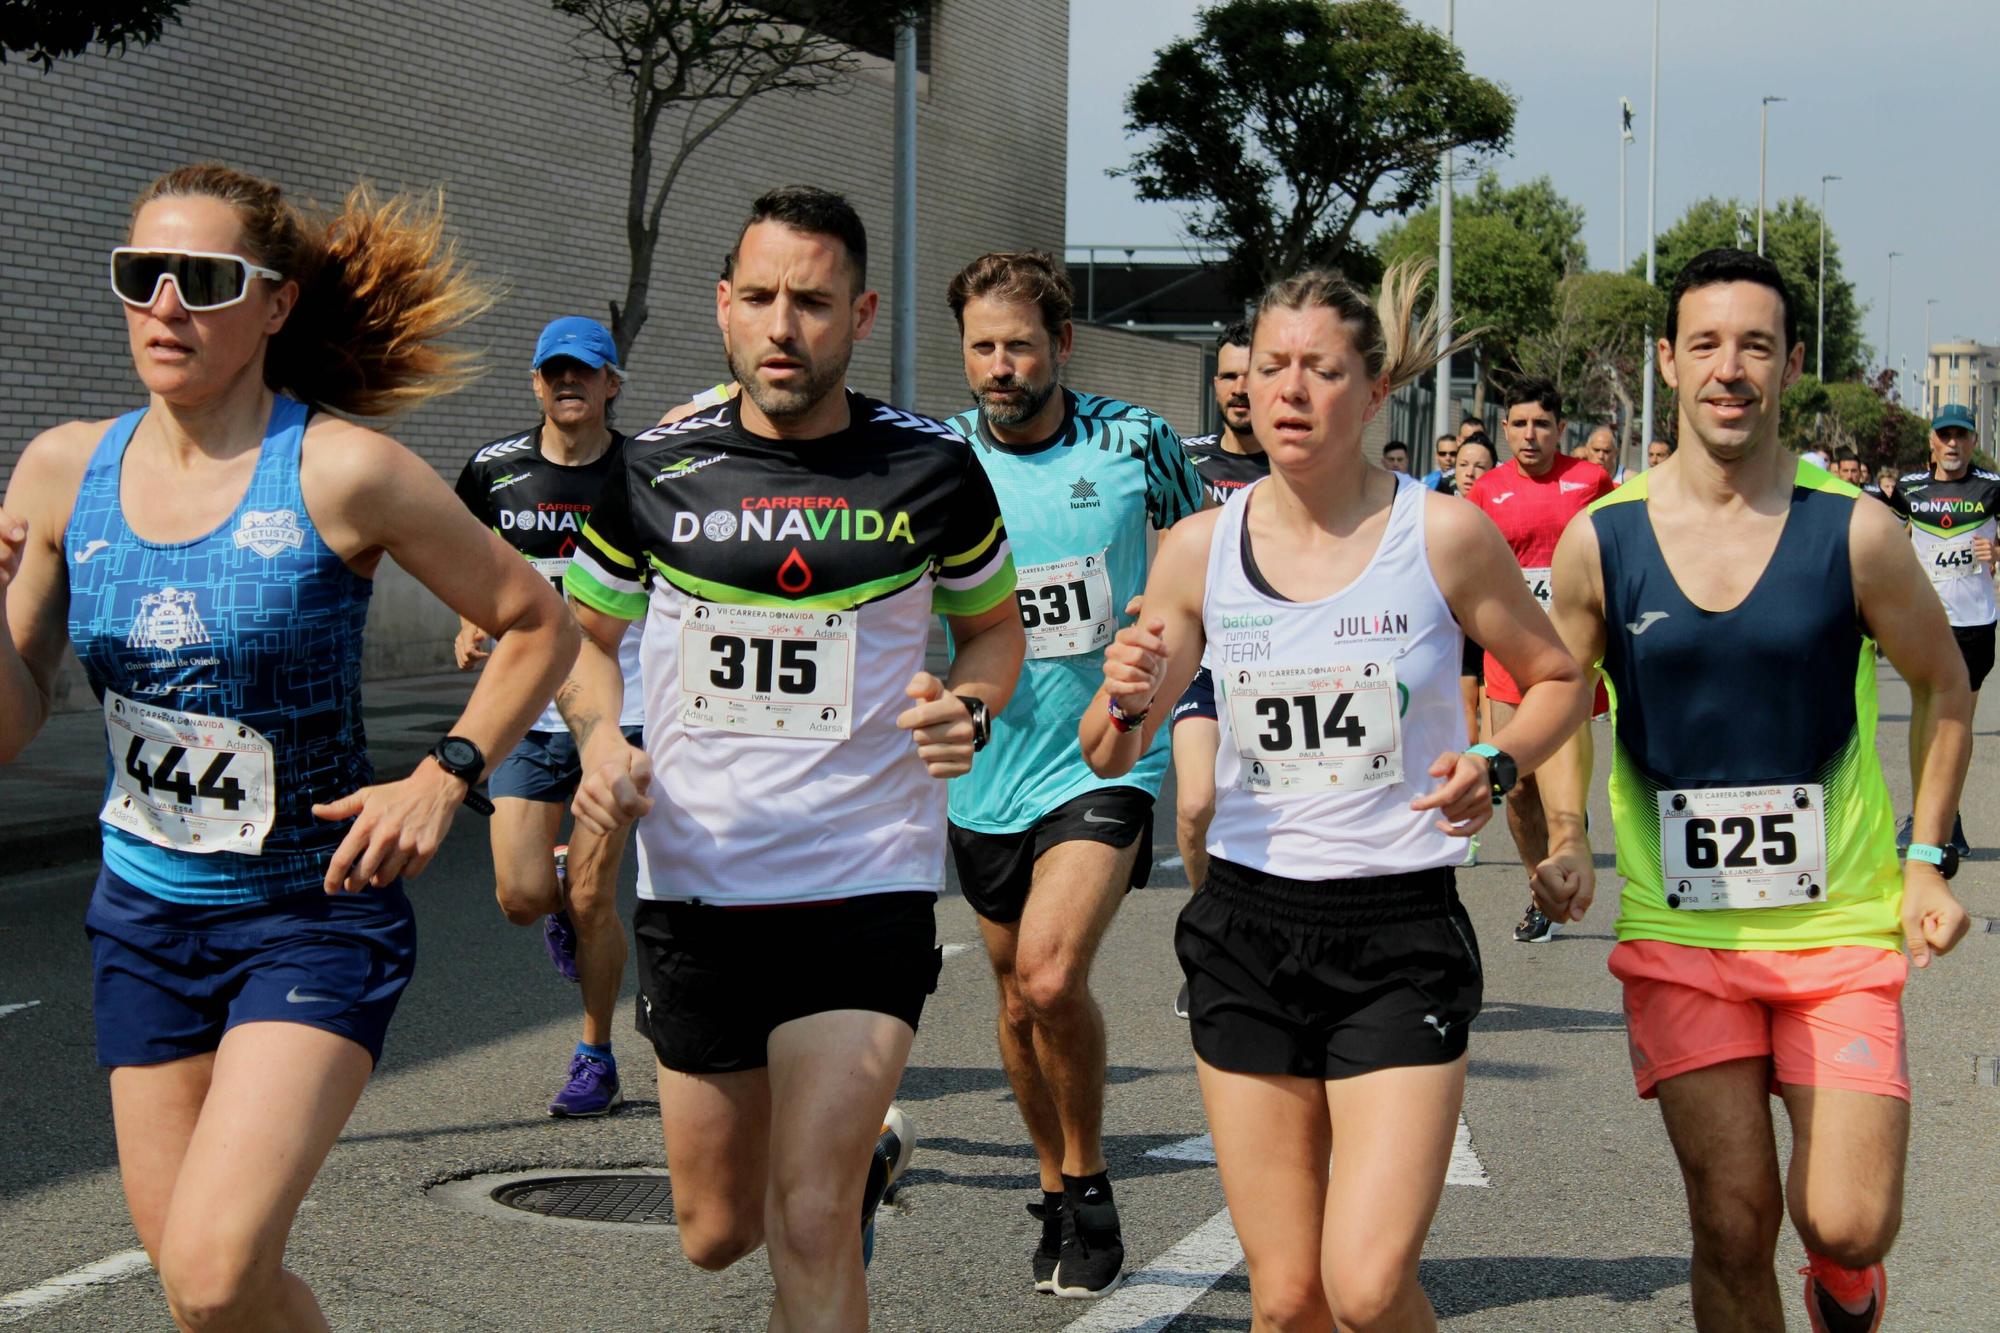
[[210, 556], [1332, 973]]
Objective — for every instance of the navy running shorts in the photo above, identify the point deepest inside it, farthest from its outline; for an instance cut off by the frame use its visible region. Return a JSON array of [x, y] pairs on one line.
[[544, 767], [171, 978], [1198, 700]]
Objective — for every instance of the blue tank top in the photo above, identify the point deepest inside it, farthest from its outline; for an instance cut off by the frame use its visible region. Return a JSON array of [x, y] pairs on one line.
[[229, 668]]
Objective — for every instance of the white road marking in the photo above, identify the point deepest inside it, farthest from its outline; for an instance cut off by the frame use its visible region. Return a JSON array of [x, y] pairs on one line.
[[6, 1009], [1465, 1168], [1157, 1294], [18, 1305], [1168, 863], [954, 950], [1200, 1148]]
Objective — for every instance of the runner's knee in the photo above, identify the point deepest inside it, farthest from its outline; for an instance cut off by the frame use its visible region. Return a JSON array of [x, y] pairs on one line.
[[1735, 1223], [212, 1286], [1051, 987], [1292, 1301], [713, 1238], [524, 899], [814, 1222], [1366, 1288], [1853, 1232]]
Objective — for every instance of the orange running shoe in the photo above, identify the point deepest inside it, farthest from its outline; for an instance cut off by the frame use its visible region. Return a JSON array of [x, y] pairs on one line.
[[1832, 1292]]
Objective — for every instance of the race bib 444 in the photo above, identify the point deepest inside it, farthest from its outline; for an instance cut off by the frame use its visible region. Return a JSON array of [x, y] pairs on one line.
[[188, 781]]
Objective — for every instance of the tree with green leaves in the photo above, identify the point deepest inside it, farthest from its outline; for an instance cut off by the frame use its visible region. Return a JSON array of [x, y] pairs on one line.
[[692, 66], [46, 31], [1552, 222], [1283, 123], [1594, 347], [1512, 245], [1791, 240], [1501, 282], [1862, 417]]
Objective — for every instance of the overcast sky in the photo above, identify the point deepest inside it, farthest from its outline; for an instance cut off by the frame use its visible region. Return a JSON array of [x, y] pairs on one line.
[[1898, 99]]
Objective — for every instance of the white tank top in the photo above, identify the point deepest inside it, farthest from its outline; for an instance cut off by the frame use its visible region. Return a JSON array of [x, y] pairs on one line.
[[1332, 711]]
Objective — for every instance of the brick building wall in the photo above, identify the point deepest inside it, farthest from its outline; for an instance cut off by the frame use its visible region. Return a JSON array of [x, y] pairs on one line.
[[487, 99]]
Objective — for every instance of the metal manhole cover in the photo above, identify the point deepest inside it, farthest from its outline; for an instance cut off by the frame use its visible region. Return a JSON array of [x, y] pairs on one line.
[[635, 1200]]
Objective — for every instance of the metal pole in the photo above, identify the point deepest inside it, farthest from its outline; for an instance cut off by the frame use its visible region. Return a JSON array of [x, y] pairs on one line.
[[903, 343], [1441, 409], [1624, 155], [1819, 341], [1889, 316], [1763, 138], [1763, 143], [1652, 226], [1928, 303]]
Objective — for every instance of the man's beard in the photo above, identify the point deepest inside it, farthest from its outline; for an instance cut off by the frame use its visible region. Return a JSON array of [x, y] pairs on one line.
[[1012, 412], [792, 401]]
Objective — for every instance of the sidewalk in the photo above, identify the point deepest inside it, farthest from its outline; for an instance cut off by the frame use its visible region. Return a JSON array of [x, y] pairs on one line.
[[49, 797]]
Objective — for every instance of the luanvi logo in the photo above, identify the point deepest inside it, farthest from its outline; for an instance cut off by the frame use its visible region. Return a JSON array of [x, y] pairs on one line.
[[687, 467]]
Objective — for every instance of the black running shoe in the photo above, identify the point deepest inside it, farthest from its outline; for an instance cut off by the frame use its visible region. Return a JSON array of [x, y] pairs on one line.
[[1093, 1249], [1958, 842], [1904, 834], [1534, 928], [1181, 1002], [1050, 1213]]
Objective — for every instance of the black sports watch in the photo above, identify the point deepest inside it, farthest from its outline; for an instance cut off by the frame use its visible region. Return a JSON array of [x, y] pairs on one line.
[[1499, 766], [464, 761], [982, 723]]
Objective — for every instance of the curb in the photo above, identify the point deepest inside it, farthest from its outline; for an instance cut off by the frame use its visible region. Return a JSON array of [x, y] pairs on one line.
[[52, 842]]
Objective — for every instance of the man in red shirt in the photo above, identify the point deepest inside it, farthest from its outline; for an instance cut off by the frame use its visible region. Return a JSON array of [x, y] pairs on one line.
[[1532, 497]]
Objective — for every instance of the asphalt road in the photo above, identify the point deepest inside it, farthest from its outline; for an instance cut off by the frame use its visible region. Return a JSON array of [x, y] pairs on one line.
[[1577, 1222]]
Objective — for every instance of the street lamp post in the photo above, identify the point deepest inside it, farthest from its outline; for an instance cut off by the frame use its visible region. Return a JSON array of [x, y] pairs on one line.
[[1624, 154], [1652, 226], [1929, 301], [1441, 409], [1819, 342], [1763, 138], [1889, 318]]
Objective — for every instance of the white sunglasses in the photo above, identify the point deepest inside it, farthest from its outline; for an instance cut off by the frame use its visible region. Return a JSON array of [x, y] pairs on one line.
[[204, 279]]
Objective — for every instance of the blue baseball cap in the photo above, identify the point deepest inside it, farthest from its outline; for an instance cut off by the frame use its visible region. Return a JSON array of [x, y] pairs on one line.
[[1954, 414], [579, 339]]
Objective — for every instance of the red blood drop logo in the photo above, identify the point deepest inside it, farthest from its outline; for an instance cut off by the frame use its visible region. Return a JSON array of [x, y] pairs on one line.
[[795, 576], [568, 547]]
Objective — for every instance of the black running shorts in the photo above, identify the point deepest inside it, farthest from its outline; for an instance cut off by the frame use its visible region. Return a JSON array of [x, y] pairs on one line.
[[996, 870], [1327, 979], [715, 981], [1975, 643]]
